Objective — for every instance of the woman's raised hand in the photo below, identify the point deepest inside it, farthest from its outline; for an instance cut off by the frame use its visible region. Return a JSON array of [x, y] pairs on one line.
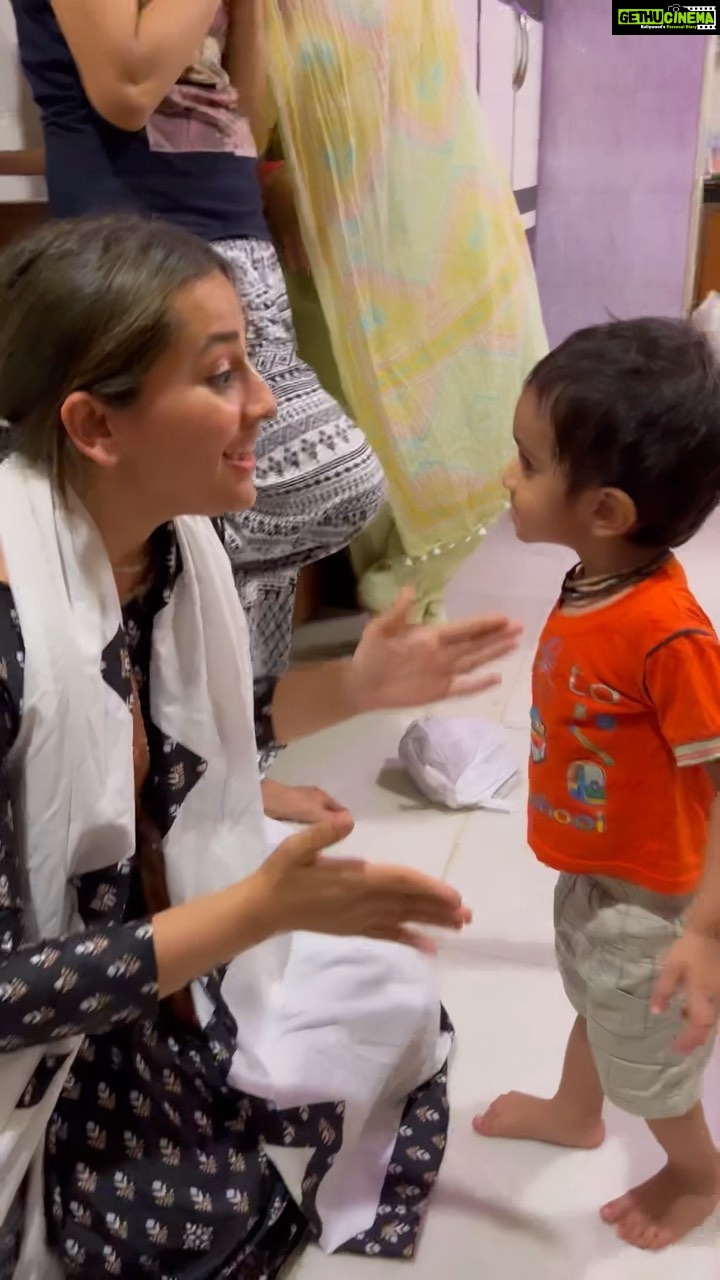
[[397, 664]]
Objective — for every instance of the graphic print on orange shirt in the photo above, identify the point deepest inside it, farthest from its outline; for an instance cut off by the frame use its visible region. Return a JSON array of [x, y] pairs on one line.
[[626, 712]]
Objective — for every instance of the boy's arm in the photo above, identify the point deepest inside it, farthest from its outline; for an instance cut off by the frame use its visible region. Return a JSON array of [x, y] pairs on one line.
[[704, 915], [691, 969]]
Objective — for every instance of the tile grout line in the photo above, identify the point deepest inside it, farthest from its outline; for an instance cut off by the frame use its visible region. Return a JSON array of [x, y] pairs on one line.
[[454, 849]]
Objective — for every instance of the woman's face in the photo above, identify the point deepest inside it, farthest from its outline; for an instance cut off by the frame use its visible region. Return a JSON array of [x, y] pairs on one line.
[[186, 446]]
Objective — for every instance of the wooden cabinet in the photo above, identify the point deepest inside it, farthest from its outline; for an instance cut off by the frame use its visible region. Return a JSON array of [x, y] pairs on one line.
[[708, 258]]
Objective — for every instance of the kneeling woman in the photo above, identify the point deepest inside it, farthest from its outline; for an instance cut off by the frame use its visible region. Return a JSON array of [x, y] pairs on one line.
[[140, 916]]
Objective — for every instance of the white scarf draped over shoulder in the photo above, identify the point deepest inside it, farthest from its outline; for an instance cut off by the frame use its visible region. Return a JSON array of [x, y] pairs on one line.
[[319, 1019], [73, 759]]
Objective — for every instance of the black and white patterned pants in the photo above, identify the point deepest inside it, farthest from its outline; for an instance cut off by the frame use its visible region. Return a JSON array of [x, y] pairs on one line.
[[319, 483]]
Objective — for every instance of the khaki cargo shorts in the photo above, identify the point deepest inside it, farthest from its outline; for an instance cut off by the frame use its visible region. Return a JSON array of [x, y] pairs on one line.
[[610, 937]]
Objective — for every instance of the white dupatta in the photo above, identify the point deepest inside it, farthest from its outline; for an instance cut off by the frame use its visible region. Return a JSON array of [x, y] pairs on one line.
[[319, 1019], [73, 760]]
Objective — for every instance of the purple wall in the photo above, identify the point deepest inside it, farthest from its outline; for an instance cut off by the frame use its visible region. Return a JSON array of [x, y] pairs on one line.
[[620, 121]]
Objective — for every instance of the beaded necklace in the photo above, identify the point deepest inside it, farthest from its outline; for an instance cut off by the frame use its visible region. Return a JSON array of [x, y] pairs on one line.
[[579, 592]]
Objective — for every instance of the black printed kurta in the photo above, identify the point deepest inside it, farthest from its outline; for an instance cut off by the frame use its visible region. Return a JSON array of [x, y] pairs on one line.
[[154, 1165]]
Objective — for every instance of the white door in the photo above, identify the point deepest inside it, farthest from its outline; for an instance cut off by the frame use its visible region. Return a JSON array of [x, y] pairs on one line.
[[526, 116], [511, 40], [498, 62], [526, 133]]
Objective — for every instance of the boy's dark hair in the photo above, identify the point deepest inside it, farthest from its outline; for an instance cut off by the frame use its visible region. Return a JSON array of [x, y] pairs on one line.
[[635, 405]]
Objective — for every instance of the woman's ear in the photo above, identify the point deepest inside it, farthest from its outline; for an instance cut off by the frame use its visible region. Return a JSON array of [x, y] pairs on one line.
[[87, 427]]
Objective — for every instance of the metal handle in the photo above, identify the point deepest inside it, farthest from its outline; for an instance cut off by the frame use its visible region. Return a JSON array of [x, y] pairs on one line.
[[523, 59]]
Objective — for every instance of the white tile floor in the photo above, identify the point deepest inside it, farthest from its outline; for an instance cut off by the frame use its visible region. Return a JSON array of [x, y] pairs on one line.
[[504, 1211]]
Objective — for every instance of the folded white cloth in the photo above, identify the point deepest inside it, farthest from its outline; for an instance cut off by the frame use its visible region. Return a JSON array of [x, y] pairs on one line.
[[460, 762], [355, 1020]]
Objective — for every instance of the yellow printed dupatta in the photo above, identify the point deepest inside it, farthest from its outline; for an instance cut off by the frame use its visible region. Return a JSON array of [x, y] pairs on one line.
[[417, 251]]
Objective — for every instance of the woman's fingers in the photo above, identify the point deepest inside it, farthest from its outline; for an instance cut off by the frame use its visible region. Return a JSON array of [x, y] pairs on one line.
[[306, 805], [481, 649], [457, 663], [307, 844], [409, 898], [420, 911], [389, 883], [405, 938], [396, 619], [332, 806], [465, 663], [366, 897], [354, 869], [467, 686], [478, 631], [398, 896], [414, 885]]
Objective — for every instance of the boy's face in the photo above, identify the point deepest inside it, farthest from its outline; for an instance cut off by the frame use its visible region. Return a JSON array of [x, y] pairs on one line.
[[541, 508]]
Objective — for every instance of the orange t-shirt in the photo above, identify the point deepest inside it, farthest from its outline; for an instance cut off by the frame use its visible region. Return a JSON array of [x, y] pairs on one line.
[[626, 711]]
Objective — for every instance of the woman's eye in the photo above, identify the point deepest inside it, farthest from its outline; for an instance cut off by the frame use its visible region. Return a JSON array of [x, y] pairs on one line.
[[222, 380]]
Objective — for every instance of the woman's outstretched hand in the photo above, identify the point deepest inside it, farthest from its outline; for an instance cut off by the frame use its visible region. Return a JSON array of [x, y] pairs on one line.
[[397, 664], [299, 888]]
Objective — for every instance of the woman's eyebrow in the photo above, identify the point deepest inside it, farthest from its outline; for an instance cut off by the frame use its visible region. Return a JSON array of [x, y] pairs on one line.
[[221, 339]]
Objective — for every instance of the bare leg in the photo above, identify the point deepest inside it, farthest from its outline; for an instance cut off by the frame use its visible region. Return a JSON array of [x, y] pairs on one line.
[[573, 1118], [678, 1198]]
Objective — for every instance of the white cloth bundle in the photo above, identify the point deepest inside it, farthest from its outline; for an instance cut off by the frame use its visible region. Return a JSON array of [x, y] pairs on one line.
[[317, 1019], [354, 1020], [459, 762]]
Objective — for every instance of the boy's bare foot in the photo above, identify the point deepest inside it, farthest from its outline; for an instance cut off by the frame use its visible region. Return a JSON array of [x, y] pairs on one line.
[[519, 1115], [665, 1208]]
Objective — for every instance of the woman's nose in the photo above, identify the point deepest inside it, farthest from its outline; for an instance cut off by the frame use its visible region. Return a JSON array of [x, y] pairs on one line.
[[261, 402]]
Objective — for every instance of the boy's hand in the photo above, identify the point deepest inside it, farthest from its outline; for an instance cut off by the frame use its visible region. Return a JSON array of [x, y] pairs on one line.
[[691, 973]]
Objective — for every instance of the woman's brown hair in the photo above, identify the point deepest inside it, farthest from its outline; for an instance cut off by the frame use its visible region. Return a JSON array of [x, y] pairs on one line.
[[86, 305]]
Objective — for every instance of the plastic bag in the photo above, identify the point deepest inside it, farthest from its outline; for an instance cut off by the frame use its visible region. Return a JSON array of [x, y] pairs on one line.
[[461, 763]]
